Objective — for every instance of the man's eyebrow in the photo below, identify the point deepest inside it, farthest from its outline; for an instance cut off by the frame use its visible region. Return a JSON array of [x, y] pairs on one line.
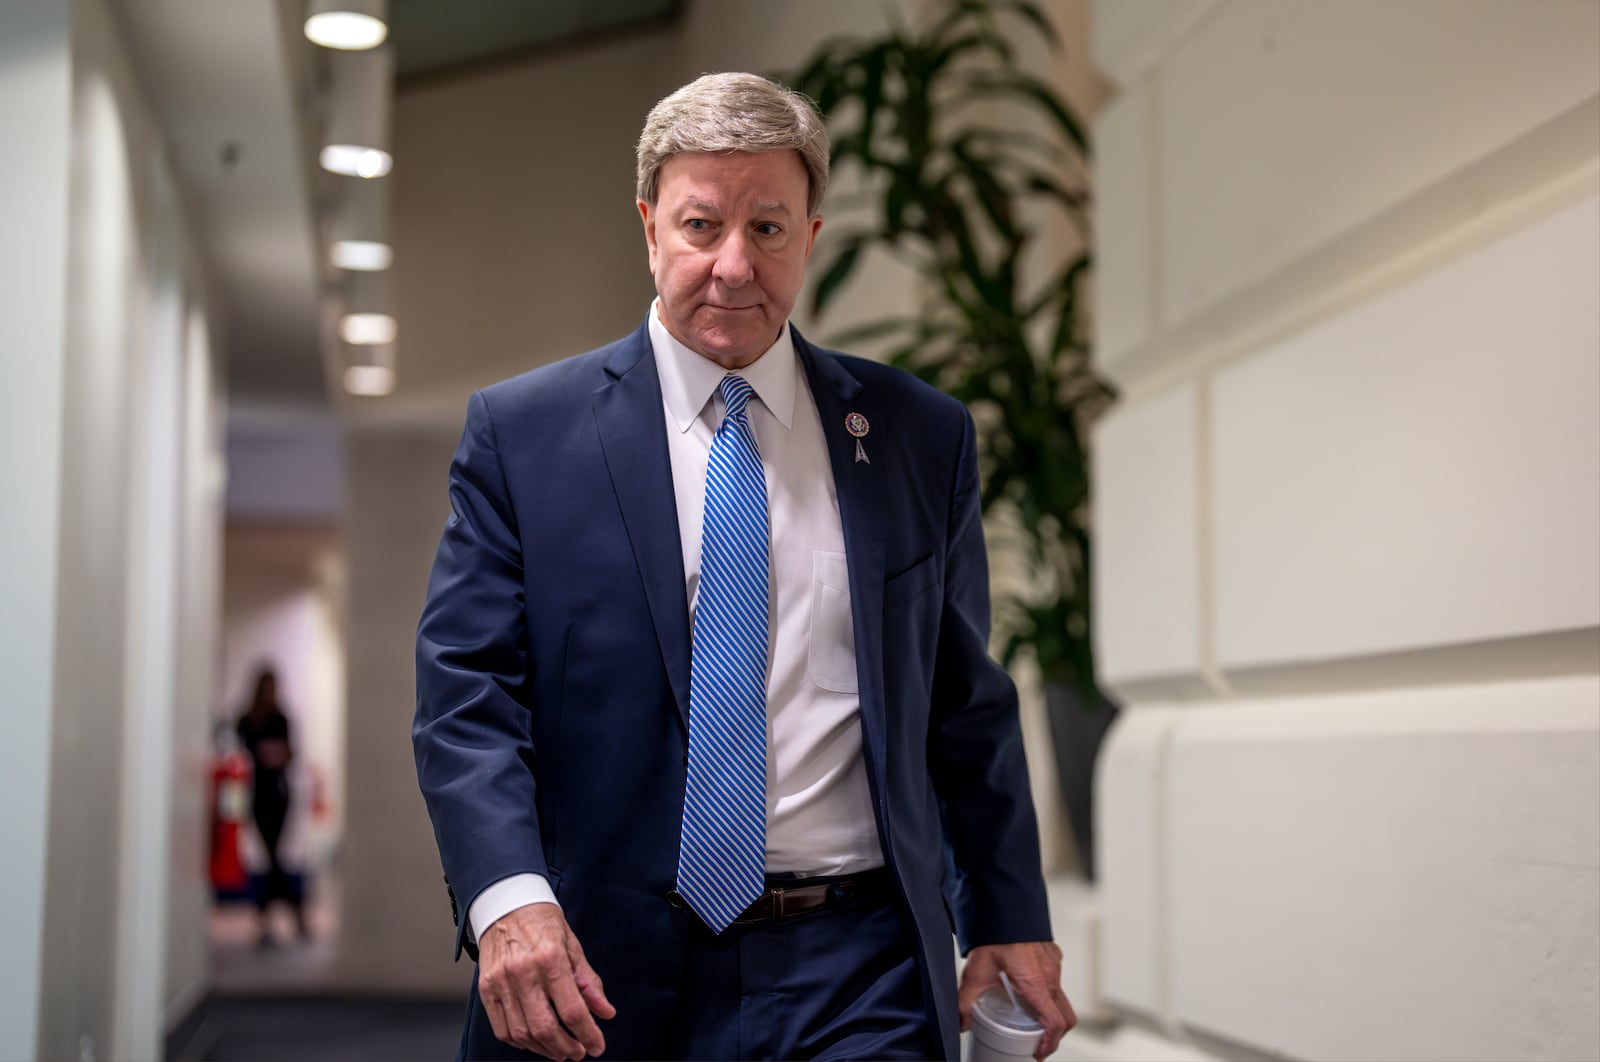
[[776, 206]]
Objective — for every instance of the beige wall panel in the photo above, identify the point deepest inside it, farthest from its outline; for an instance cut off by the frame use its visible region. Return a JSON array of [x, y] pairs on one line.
[[391, 875], [1130, 831], [1132, 36], [1421, 471], [1285, 125], [1125, 262], [1390, 876], [1147, 558], [516, 237]]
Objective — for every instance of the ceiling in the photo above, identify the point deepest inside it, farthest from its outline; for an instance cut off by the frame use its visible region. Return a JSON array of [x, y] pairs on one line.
[[228, 84], [451, 36], [239, 91]]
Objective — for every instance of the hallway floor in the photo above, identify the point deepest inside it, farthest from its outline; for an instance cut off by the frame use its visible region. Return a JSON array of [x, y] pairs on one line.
[[280, 1003], [241, 967], [328, 1028]]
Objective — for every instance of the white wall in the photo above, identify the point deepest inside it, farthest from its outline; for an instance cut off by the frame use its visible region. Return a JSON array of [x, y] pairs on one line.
[[1348, 519], [101, 380], [35, 111]]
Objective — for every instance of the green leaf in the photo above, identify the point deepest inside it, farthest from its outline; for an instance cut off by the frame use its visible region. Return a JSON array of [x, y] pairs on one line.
[[992, 195], [944, 56], [1075, 201], [1033, 14], [1067, 319], [1017, 85], [960, 12]]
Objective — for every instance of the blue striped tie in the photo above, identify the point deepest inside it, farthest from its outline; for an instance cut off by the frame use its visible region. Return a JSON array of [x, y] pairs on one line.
[[722, 857]]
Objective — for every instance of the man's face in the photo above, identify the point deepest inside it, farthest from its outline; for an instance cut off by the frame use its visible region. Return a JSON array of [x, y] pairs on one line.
[[729, 239]]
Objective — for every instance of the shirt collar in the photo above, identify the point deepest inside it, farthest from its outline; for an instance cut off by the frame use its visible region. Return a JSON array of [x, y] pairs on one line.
[[688, 379]]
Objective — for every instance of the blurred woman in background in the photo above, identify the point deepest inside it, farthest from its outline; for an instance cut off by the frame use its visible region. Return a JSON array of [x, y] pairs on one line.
[[264, 731]]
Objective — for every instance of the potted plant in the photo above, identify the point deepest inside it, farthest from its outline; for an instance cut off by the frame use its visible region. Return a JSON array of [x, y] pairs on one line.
[[994, 217]]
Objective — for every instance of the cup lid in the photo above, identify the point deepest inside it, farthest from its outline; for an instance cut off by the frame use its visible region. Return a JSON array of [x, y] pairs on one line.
[[996, 1006]]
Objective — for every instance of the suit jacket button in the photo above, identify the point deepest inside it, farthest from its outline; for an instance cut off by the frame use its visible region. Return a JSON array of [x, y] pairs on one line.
[[676, 901]]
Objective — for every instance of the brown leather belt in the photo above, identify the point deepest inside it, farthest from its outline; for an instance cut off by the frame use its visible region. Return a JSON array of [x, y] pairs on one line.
[[784, 900]]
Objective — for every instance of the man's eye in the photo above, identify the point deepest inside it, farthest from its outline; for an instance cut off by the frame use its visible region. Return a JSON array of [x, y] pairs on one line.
[[767, 228], [698, 224]]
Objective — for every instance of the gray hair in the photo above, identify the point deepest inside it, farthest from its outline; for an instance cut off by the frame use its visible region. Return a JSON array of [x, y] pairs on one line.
[[733, 112]]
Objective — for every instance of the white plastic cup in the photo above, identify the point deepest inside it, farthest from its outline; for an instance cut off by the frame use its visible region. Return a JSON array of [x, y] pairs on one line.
[[1002, 1031]]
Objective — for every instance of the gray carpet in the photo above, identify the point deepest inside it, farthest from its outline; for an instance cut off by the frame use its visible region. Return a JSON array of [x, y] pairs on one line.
[[320, 1029]]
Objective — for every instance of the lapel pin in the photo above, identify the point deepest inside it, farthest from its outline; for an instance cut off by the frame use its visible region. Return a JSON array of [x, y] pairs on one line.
[[857, 425]]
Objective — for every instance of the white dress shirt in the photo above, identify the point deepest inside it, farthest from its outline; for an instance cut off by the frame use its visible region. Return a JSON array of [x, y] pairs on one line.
[[819, 809]]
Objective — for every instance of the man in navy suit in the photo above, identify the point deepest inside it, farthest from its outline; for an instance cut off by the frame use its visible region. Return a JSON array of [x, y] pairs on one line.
[[711, 591]]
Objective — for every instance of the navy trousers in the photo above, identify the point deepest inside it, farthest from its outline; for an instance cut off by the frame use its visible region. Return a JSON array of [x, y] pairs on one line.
[[834, 984]]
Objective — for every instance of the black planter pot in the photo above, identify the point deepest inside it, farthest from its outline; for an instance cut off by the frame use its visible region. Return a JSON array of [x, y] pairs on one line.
[[1077, 730]]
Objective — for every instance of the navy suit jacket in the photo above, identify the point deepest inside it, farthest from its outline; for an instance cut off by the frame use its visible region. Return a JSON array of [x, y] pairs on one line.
[[553, 669]]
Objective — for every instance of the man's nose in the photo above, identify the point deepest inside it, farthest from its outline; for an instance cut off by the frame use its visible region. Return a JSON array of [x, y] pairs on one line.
[[733, 266]]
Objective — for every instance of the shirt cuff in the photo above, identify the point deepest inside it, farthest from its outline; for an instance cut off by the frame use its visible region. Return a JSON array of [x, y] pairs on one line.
[[505, 896]]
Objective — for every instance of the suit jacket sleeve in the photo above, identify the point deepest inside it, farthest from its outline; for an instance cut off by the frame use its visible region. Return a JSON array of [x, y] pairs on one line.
[[975, 751], [472, 731]]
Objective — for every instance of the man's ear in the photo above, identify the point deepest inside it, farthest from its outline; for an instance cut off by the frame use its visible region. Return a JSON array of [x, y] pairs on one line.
[[648, 215], [813, 226]]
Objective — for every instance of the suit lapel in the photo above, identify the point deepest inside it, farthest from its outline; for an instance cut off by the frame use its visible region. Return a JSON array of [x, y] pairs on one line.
[[859, 485], [633, 435]]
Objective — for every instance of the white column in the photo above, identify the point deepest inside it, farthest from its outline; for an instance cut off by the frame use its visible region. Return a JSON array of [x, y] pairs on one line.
[[153, 662]]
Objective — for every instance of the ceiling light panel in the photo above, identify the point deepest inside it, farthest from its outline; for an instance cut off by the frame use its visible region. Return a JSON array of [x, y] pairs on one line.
[[367, 329], [347, 25], [366, 256], [369, 381]]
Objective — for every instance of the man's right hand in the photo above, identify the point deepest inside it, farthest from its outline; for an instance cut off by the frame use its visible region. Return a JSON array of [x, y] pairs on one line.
[[541, 994]]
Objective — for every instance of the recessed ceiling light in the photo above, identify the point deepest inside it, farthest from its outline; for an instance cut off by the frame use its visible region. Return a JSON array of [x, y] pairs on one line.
[[369, 381], [353, 160], [367, 329], [350, 31], [368, 256]]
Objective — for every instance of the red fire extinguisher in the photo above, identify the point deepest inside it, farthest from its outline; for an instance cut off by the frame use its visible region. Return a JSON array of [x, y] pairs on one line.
[[230, 810]]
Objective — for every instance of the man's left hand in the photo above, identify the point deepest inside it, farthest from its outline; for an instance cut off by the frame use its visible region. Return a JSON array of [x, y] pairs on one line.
[[1034, 969]]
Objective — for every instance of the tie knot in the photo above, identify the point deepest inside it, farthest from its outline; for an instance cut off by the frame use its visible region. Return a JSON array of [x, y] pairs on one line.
[[736, 392]]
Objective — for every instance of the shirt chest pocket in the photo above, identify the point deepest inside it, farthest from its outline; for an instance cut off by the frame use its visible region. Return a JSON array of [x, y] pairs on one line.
[[832, 660]]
